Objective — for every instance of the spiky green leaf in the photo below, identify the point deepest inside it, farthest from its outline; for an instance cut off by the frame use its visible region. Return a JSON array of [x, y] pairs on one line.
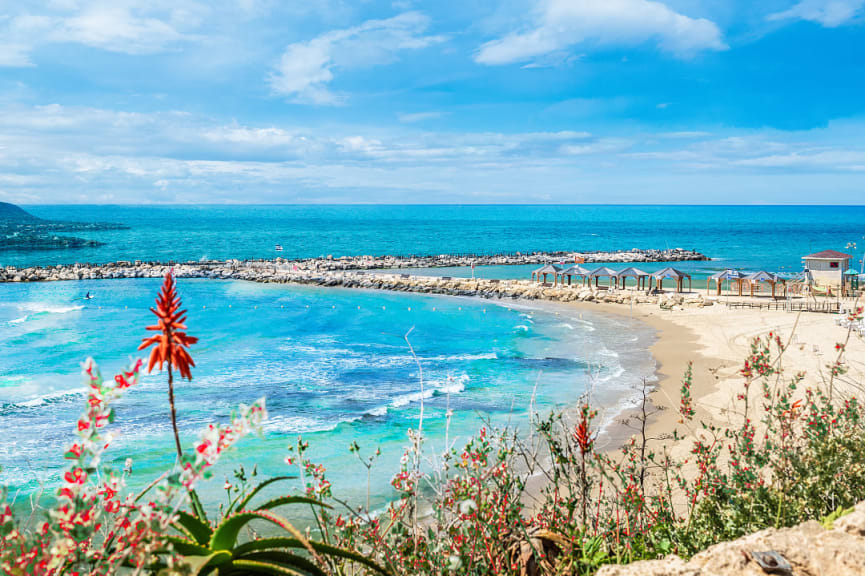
[[286, 560], [244, 502], [284, 500], [321, 548], [202, 565], [225, 535], [186, 547], [197, 529], [253, 567]]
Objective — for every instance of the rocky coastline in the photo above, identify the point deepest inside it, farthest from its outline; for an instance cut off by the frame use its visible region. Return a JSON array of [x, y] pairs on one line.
[[139, 269], [354, 272]]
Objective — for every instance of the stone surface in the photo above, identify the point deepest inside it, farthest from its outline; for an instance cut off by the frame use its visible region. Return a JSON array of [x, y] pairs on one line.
[[810, 549]]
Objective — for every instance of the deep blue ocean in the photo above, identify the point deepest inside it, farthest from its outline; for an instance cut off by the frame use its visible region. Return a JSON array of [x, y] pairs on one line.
[[333, 363], [774, 237]]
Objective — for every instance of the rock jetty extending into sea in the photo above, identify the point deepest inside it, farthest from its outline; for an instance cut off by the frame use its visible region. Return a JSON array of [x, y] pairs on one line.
[[202, 269], [353, 272]]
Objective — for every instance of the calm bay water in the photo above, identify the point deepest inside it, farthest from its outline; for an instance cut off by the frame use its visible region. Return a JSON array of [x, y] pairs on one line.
[[333, 363]]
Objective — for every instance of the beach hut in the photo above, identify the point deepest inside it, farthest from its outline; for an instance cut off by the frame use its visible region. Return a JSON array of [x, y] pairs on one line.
[[730, 275], [635, 273], [762, 276], [826, 267], [676, 275], [546, 270], [603, 272], [575, 270]]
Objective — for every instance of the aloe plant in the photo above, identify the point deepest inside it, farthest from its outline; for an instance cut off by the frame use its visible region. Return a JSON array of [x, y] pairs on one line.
[[216, 549]]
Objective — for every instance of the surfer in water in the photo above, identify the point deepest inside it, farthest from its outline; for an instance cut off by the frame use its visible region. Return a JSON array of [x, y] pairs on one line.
[[88, 296]]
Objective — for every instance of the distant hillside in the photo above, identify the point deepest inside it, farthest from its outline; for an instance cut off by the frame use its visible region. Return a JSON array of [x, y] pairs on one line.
[[20, 230], [11, 212]]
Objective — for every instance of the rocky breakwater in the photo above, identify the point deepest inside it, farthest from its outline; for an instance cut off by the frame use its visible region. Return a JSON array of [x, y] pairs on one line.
[[315, 266], [500, 289], [293, 273], [509, 259]]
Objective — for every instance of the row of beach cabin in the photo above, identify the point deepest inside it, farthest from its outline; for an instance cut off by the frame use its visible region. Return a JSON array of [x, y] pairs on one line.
[[614, 278], [824, 272], [736, 281]]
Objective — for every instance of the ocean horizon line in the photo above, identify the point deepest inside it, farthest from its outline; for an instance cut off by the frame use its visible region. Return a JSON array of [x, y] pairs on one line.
[[452, 204]]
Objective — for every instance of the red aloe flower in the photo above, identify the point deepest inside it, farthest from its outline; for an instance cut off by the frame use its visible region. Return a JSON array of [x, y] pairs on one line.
[[582, 433], [169, 346]]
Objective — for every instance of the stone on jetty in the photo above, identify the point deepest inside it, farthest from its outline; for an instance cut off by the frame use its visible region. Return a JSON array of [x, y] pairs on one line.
[[353, 272]]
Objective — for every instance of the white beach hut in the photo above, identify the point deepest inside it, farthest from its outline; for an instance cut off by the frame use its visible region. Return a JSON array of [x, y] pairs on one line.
[[826, 267]]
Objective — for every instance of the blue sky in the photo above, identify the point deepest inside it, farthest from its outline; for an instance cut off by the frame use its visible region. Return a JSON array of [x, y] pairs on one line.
[[515, 101]]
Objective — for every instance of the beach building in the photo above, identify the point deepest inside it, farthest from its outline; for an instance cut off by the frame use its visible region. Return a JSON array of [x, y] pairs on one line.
[[575, 270], [827, 267], [638, 275], [758, 278], [676, 275], [604, 272], [730, 276], [546, 270]]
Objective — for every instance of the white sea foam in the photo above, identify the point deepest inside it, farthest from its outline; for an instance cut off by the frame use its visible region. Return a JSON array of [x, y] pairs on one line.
[[463, 357], [48, 398], [301, 424], [522, 327], [406, 399], [377, 411], [41, 308], [454, 385]]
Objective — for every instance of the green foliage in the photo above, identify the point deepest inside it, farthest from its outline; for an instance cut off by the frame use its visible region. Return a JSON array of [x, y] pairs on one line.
[[219, 549]]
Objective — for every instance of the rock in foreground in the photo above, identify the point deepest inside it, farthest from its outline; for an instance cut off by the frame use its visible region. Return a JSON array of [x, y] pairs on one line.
[[809, 548]]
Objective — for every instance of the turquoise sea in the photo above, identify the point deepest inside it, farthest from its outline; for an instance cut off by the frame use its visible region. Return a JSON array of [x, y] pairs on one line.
[[771, 237], [333, 363]]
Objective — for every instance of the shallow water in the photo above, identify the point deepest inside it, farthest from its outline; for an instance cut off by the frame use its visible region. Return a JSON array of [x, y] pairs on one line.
[[332, 363]]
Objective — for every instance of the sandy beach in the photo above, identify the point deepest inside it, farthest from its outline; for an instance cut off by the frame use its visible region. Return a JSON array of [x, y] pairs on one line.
[[717, 340]]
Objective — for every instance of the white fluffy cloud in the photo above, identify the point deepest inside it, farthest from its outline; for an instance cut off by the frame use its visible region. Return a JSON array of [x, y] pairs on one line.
[[306, 68], [129, 27], [829, 13], [124, 26], [561, 24]]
